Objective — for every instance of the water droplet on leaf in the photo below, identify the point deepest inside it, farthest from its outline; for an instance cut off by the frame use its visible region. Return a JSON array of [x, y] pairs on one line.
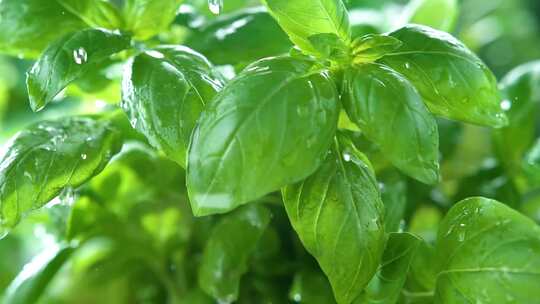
[[80, 56], [215, 6]]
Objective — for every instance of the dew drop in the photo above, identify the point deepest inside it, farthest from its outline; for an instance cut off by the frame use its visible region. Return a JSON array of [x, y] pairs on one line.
[[67, 196], [407, 65], [297, 297], [83, 156], [215, 6], [506, 105], [346, 157], [80, 56]]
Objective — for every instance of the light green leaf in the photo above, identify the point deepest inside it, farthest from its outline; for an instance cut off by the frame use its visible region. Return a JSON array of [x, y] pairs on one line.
[[390, 112], [394, 196], [269, 127], [164, 92], [370, 48], [28, 26], [241, 37], [35, 277], [438, 14], [387, 284], [68, 59], [521, 89], [95, 13], [226, 254], [41, 161], [338, 215], [488, 253], [453, 81], [146, 18], [304, 18]]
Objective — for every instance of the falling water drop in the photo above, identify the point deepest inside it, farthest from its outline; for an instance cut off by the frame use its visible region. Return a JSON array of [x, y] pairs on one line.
[[67, 196], [80, 56], [215, 6]]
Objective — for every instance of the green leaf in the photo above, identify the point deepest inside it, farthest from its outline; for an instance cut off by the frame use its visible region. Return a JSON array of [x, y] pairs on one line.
[[242, 37], [488, 253], [394, 197], [28, 26], [269, 127], [226, 254], [386, 286], [41, 161], [304, 18], [438, 14], [146, 18], [34, 278], [453, 82], [311, 287], [68, 59], [390, 112], [164, 92], [95, 13], [531, 164], [330, 47], [370, 48], [338, 215], [521, 88]]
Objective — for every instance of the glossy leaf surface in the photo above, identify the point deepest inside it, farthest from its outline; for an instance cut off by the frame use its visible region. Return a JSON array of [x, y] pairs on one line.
[[304, 18], [35, 277], [481, 240], [453, 81], [164, 92], [521, 89], [269, 127], [387, 284], [146, 18], [241, 37], [26, 25], [229, 247], [338, 215], [41, 161], [390, 112], [67, 59]]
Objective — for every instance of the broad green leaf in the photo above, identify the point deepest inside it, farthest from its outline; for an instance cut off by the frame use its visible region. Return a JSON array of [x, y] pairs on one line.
[[67, 59], [146, 18], [370, 48], [390, 112], [438, 14], [241, 37], [394, 197], [521, 89], [303, 18], [226, 254], [95, 13], [269, 127], [338, 215], [331, 47], [488, 253], [387, 284], [42, 160], [34, 278], [453, 81], [28, 26], [422, 274], [164, 92], [311, 287]]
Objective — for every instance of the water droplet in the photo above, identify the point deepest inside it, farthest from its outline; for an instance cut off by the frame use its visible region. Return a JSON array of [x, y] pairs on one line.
[[215, 6], [506, 105], [80, 56], [67, 196], [346, 157], [297, 297], [407, 65], [83, 156]]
